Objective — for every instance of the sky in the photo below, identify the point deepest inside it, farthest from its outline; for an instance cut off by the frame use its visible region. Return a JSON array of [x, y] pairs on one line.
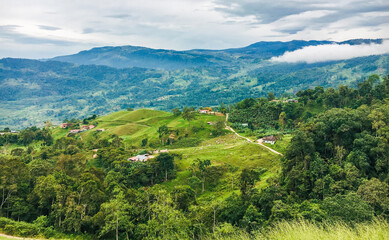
[[48, 28], [332, 52]]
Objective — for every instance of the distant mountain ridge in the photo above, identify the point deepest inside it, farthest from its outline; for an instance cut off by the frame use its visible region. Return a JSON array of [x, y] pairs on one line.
[[97, 81], [133, 56]]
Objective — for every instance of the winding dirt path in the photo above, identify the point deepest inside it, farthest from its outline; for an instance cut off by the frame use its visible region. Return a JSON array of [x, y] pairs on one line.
[[13, 237], [248, 140]]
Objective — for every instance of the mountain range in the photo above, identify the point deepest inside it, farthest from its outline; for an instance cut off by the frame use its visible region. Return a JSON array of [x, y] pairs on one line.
[[106, 79], [131, 56]]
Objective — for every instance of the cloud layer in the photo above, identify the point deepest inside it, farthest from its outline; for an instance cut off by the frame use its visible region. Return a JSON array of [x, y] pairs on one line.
[[333, 52], [46, 28]]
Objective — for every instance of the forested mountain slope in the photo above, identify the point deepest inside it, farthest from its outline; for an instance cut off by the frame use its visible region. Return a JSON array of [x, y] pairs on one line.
[[33, 90], [131, 56], [95, 183]]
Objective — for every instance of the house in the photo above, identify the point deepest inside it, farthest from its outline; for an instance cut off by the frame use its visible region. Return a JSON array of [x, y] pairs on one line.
[[65, 125], [290, 100], [211, 123], [1, 134], [91, 126], [245, 124], [269, 139], [160, 151], [100, 130], [171, 138], [14, 131], [204, 111], [140, 158], [85, 127], [75, 131]]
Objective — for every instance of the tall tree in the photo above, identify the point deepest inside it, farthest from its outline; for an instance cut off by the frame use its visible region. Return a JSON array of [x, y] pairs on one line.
[[116, 215], [176, 112], [188, 114], [201, 166], [163, 131], [270, 96], [165, 163], [12, 173]]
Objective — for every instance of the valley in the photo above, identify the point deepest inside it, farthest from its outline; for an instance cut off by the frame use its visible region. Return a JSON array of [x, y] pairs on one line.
[[201, 173], [34, 91]]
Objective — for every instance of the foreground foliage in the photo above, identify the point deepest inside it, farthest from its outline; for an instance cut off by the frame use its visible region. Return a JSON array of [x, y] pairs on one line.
[[301, 230], [334, 171]]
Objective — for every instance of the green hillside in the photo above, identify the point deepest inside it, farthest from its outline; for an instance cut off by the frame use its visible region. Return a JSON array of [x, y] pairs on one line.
[[134, 126], [156, 175], [34, 91]]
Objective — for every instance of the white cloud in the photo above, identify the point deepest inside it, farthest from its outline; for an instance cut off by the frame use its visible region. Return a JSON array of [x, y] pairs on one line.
[[332, 52], [181, 24]]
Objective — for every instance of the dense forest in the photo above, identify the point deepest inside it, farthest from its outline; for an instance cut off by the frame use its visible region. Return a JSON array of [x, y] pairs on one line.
[[335, 169], [34, 91]]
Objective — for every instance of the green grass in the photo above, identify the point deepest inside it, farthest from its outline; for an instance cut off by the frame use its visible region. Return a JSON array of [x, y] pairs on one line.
[[8, 238], [196, 143], [281, 144], [229, 149], [4, 238], [304, 230], [59, 132], [225, 150], [133, 126]]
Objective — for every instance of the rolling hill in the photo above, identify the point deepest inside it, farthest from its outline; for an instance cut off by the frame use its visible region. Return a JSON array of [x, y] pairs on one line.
[[34, 91], [132, 56]]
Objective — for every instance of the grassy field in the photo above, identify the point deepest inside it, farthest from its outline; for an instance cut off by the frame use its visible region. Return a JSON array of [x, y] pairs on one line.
[[231, 152], [281, 144], [9, 238], [304, 230], [133, 126], [228, 150]]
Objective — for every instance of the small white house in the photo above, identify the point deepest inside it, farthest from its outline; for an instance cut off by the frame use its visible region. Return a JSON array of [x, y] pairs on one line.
[[140, 158], [269, 139]]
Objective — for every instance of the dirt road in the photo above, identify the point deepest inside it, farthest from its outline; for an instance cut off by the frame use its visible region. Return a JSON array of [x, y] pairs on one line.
[[248, 140], [12, 237]]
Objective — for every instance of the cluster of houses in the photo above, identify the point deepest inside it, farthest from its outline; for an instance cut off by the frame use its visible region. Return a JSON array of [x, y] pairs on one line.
[[141, 158], [82, 129], [285, 101], [65, 125], [147, 156], [269, 139], [138, 158], [206, 111], [3, 133]]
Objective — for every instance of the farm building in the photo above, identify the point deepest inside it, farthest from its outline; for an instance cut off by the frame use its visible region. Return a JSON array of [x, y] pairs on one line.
[[269, 139]]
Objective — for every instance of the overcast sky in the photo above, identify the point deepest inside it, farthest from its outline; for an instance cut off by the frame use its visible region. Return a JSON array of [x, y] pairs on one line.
[[47, 28]]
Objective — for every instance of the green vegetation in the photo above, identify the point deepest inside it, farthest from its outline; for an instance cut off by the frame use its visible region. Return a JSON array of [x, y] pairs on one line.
[[133, 127], [194, 180], [34, 91], [301, 230]]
